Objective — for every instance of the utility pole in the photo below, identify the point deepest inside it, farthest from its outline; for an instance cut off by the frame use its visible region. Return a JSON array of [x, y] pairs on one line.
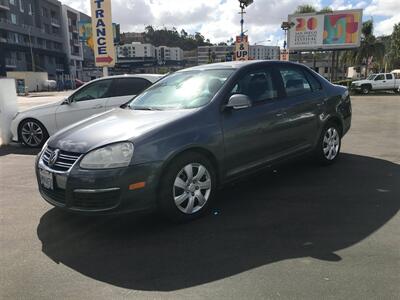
[[243, 5]]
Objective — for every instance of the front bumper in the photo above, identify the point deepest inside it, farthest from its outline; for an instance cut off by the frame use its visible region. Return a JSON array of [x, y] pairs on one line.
[[101, 191]]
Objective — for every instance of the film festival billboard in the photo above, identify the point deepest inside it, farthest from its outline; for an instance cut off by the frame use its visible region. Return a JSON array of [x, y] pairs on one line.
[[320, 31]]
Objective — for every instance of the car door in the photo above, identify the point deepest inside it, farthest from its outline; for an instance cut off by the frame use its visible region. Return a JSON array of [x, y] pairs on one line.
[[252, 135], [124, 89], [87, 101], [304, 101], [389, 84], [379, 82]]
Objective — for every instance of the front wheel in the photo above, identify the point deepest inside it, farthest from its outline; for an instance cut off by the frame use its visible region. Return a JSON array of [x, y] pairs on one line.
[[188, 187], [365, 89], [328, 148], [32, 133]]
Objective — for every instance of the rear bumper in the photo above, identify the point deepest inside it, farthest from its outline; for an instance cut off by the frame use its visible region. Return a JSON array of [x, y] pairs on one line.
[[100, 192]]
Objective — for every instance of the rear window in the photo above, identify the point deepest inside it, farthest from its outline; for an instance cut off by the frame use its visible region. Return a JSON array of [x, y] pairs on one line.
[[389, 76], [129, 86]]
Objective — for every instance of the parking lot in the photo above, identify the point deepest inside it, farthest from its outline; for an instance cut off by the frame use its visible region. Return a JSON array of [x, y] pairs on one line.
[[295, 231]]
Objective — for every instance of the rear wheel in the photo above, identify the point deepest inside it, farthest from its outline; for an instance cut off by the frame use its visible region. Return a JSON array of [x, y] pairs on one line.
[[365, 89], [328, 148], [188, 187], [32, 133]]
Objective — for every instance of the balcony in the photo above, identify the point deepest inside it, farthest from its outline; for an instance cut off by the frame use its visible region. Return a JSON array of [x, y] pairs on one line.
[[4, 5], [60, 67], [11, 63], [54, 22]]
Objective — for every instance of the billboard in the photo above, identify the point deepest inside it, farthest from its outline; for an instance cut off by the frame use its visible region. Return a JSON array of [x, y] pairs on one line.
[[320, 31], [242, 48], [103, 39]]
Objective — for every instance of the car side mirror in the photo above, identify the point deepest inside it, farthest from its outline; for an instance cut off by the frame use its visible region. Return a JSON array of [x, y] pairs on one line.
[[67, 101], [238, 101]]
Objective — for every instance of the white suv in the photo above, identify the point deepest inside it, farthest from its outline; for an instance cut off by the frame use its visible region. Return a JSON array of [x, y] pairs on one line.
[[33, 127], [377, 82]]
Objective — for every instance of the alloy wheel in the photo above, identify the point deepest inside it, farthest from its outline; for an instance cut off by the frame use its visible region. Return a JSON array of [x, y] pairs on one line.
[[192, 188], [331, 143], [32, 134]]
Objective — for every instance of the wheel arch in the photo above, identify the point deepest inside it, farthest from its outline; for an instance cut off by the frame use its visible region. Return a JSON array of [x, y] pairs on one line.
[[196, 149], [337, 121], [27, 119]]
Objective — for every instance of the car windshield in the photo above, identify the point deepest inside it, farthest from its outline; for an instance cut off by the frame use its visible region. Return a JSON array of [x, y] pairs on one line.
[[182, 90], [370, 77]]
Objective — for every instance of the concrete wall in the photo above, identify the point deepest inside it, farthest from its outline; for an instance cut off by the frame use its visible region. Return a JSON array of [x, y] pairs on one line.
[[33, 80]]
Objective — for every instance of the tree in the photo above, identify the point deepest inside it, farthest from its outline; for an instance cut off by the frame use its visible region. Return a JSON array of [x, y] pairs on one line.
[[304, 9], [394, 49], [370, 49], [326, 9]]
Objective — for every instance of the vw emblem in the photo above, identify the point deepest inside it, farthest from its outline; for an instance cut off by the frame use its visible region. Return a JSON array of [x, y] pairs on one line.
[[53, 157]]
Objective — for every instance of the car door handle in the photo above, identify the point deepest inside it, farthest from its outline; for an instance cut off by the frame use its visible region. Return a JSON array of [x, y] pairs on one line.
[[98, 106], [280, 114], [384, 81]]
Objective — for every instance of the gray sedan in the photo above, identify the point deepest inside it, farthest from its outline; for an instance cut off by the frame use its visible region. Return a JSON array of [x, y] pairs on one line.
[[197, 129]]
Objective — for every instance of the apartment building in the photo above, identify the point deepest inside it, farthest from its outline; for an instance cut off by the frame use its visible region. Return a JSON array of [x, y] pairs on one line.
[[208, 54], [31, 37], [73, 47]]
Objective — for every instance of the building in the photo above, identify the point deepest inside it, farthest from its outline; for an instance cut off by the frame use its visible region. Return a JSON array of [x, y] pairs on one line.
[[73, 47], [190, 57], [261, 52], [31, 37], [136, 51], [132, 37], [170, 55], [208, 54], [90, 71]]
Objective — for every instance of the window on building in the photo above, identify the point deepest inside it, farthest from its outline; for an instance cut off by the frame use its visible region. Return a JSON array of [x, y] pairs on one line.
[[12, 2], [30, 8], [21, 7], [326, 70], [14, 18]]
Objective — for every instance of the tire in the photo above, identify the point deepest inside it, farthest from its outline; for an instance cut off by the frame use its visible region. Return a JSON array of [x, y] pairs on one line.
[[32, 133], [365, 89], [181, 197], [328, 148]]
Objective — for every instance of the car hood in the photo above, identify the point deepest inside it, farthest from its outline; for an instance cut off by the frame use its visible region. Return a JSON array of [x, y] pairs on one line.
[[360, 81], [48, 106], [112, 126]]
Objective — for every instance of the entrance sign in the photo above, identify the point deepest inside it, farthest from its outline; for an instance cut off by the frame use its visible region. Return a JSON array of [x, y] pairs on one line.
[[284, 55], [319, 31], [242, 48], [102, 28]]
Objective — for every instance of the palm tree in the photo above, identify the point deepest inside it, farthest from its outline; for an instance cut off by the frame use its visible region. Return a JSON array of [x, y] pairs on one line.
[[369, 48]]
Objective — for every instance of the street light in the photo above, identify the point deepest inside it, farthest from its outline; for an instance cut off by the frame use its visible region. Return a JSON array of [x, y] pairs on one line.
[[243, 5]]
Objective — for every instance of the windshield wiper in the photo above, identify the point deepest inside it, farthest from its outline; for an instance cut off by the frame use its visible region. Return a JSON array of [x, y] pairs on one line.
[[144, 108]]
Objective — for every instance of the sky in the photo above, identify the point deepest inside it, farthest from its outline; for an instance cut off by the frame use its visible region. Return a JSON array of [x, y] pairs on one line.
[[219, 20]]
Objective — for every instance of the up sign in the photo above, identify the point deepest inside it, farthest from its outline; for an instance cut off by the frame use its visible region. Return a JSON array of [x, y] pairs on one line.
[[242, 48], [103, 33]]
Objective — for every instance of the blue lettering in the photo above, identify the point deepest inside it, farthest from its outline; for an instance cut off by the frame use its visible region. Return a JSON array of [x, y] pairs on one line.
[[100, 13], [101, 41], [100, 23], [101, 32], [102, 50], [98, 3]]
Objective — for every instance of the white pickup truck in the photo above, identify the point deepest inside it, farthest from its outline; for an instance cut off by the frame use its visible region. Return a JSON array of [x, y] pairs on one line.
[[377, 82]]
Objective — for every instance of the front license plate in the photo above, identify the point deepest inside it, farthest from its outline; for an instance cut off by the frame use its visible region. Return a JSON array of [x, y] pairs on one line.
[[46, 179]]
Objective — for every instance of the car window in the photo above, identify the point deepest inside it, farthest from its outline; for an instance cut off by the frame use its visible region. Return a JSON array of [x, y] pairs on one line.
[[314, 82], [129, 86], [294, 81], [258, 85], [389, 76], [379, 77], [95, 90]]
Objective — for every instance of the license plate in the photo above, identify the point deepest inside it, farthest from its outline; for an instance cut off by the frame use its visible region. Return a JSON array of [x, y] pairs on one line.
[[46, 179]]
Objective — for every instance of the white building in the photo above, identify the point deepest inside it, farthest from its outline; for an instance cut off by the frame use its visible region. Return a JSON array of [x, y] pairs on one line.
[[165, 53], [70, 19], [261, 52], [136, 50]]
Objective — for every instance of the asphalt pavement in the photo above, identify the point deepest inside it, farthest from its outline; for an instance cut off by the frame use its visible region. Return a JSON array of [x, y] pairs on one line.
[[295, 231]]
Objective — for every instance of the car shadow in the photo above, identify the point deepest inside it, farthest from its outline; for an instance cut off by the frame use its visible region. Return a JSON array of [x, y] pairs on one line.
[[297, 210], [18, 149]]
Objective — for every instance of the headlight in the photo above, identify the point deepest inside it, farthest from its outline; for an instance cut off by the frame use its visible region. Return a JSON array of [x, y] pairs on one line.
[[111, 156]]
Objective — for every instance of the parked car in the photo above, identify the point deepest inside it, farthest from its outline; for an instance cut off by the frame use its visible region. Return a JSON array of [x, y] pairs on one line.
[[377, 82], [33, 127], [194, 130]]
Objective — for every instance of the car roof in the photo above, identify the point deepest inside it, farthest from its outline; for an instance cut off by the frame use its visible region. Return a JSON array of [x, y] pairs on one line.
[[236, 64], [150, 77]]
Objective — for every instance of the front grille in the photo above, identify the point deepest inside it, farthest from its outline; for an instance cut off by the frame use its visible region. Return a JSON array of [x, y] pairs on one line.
[[104, 200], [64, 161], [57, 195]]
